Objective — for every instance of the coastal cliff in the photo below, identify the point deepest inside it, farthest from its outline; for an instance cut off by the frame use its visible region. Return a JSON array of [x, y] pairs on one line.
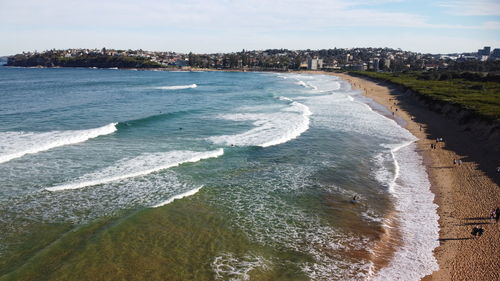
[[100, 61], [483, 128], [464, 191]]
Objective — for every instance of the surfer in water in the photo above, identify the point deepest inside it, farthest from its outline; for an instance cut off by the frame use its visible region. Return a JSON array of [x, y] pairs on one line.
[[354, 200]]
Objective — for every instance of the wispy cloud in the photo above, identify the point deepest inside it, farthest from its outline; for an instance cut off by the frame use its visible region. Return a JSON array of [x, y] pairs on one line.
[[203, 13], [493, 25], [472, 7], [255, 15], [166, 24]]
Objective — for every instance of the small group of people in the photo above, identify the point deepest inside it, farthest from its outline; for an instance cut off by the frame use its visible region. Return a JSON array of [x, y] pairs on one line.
[[494, 215], [477, 231], [457, 162], [434, 145]]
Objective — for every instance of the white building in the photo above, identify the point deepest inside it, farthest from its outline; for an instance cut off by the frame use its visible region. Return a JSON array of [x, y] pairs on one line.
[[314, 64]]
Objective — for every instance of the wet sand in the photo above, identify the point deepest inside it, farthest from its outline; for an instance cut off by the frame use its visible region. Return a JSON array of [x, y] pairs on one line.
[[464, 193]]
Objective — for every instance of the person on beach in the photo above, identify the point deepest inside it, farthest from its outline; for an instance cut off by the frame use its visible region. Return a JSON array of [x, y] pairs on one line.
[[480, 231], [474, 231], [477, 231], [460, 162], [493, 214], [497, 212], [454, 162]]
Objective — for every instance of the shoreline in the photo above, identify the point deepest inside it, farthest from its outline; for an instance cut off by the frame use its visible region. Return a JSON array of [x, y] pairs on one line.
[[464, 194]]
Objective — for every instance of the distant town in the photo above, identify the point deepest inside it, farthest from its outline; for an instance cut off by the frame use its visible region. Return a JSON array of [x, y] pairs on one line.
[[337, 59]]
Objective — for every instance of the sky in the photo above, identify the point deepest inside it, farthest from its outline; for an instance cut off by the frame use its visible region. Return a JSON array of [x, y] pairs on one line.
[[210, 26]]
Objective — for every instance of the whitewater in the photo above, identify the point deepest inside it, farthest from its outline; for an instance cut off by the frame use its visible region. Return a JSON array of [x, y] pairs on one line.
[[138, 166], [260, 166], [269, 128], [177, 87], [18, 144]]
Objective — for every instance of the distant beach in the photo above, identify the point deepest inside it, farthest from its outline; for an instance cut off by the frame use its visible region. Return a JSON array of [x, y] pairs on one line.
[[464, 192]]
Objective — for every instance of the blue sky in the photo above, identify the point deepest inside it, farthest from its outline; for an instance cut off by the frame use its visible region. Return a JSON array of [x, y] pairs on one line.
[[206, 26]]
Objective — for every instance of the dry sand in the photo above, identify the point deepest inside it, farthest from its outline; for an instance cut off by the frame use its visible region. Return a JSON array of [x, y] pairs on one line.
[[465, 194]]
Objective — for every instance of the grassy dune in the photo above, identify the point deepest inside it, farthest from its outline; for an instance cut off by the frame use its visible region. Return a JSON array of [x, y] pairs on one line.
[[480, 97]]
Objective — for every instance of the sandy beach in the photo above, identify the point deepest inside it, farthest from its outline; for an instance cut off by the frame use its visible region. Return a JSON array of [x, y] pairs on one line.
[[465, 193]]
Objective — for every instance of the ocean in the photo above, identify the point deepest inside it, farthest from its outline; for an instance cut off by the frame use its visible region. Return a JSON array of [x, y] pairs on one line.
[[153, 175]]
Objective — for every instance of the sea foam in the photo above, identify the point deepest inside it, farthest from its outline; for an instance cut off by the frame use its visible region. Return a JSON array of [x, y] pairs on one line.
[[306, 85], [139, 166], [178, 87], [17, 144], [418, 218], [229, 267], [270, 128], [178, 196]]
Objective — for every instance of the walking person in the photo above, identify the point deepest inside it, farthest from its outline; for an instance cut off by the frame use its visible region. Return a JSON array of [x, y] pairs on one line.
[[477, 231], [480, 231], [474, 231], [493, 214]]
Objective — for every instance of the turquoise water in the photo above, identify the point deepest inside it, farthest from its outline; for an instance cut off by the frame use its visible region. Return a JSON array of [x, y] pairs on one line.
[[278, 156]]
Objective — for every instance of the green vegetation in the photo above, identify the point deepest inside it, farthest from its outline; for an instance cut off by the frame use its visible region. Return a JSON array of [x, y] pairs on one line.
[[94, 60], [471, 91]]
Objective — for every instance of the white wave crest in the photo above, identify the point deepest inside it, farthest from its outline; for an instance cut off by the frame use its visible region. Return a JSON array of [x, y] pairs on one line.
[[138, 166], [270, 128], [411, 188], [285, 99], [302, 83], [397, 168], [178, 87], [17, 144], [178, 196], [306, 85]]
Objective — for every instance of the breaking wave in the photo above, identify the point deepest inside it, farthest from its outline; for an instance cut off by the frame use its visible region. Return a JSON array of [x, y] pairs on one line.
[[178, 196], [139, 166], [178, 87], [17, 144], [270, 128]]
